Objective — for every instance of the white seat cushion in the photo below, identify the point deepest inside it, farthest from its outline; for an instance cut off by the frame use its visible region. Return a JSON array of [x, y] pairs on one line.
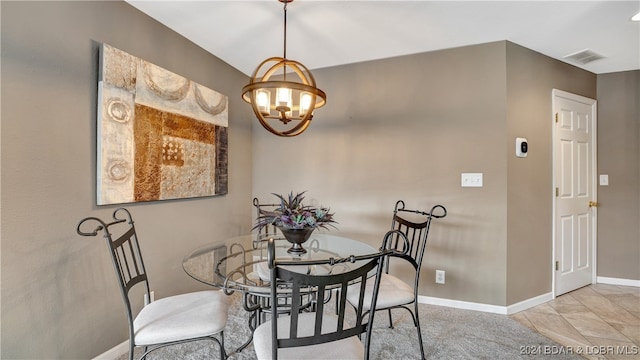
[[181, 317], [349, 348], [392, 292]]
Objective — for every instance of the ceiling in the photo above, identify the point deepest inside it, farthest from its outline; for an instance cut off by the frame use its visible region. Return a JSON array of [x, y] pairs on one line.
[[323, 33]]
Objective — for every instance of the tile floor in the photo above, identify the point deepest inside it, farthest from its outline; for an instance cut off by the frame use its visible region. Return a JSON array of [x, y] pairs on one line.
[[597, 321]]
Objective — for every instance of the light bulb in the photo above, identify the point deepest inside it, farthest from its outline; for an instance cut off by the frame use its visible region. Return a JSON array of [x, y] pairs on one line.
[[283, 97], [263, 100], [284, 102], [305, 103]]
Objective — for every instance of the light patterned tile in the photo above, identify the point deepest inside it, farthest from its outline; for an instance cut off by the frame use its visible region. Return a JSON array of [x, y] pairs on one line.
[[629, 302], [556, 328], [584, 291], [596, 318], [545, 308], [569, 307], [630, 331], [606, 289], [591, 325], [605, 308], [565, 299]]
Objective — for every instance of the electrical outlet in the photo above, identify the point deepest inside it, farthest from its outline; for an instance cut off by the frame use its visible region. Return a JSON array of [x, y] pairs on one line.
[[439, 276]]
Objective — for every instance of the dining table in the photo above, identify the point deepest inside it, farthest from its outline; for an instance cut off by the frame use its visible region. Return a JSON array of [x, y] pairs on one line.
[[239, 264]]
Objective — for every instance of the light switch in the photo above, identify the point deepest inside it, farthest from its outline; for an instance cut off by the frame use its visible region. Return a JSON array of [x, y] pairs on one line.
[[471, 179], [604, 180]]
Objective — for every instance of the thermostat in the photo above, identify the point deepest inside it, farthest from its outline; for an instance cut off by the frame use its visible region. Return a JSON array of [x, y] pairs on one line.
[[522, 147]]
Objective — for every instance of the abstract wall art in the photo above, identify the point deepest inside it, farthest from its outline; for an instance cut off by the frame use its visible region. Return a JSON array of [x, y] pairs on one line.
[[160, 135]]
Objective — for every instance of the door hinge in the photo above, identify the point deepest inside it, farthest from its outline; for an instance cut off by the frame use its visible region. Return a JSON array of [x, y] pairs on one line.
[[557, 265], [556, 117], [557, 192]]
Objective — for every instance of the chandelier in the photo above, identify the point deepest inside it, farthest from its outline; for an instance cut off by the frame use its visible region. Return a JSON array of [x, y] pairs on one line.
[[275, 96]]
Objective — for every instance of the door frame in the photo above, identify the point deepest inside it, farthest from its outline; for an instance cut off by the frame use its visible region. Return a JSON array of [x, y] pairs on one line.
[[594, 185]]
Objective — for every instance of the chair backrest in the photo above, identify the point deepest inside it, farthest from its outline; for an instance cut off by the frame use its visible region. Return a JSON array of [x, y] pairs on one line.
[[125, 253], [415, 230], [298, 287], [268, 230]]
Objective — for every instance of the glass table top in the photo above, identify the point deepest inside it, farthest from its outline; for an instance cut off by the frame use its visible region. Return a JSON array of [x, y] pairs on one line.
[[240, 263]]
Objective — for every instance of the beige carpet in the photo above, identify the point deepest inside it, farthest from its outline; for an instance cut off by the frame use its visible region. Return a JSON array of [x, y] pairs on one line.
[[447, 334]]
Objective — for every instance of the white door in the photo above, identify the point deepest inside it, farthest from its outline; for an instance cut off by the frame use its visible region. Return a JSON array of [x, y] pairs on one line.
[[575, 191]]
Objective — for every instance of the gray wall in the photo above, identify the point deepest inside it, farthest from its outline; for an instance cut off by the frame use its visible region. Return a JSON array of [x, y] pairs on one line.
[[406, 128], [531, 78], [401, 128], [59, 293], [619, 157]]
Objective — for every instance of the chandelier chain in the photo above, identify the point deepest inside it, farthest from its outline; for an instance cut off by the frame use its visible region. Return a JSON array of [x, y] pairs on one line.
[[285, 30], [284, 56]]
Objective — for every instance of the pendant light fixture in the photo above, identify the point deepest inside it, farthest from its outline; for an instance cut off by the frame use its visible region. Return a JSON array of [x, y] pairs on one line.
[[275, 96]]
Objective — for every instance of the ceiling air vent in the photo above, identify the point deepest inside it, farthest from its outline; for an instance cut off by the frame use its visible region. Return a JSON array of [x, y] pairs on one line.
[[584, 56]]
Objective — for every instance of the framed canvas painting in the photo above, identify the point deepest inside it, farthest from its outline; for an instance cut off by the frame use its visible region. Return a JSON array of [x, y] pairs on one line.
[[160, 135]]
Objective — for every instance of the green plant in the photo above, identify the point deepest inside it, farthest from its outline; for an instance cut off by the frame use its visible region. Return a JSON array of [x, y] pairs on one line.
[[293, 214]]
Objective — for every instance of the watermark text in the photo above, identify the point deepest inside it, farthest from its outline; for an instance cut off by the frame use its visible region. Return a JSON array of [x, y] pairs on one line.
[[630, 350]]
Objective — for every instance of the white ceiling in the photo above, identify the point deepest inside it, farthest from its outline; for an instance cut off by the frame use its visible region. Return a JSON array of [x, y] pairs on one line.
[[323, 33]]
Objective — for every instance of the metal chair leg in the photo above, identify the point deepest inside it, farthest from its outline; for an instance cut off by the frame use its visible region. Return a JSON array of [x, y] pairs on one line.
[[223, 353], [390, 319], [417, 323]]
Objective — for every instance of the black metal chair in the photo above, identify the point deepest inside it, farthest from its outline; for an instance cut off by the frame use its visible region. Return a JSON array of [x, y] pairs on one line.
[[259, 304], [268, 230], [168, 321], [329, 335], [410, 242]]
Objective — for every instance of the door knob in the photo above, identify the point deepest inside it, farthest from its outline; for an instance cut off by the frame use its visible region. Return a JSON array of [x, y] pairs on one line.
[[593, 204]]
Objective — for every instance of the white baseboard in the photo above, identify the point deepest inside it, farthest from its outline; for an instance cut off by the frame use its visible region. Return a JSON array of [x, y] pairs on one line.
[[495, 309], [115, 352], [616, 281], [465, 305], [522, 305], [529, 303]]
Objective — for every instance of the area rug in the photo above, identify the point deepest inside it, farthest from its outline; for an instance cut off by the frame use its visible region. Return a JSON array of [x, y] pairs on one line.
[[447, 333]]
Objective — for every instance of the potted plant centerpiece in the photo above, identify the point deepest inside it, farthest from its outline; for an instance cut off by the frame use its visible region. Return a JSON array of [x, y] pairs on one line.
[[295, 220]]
